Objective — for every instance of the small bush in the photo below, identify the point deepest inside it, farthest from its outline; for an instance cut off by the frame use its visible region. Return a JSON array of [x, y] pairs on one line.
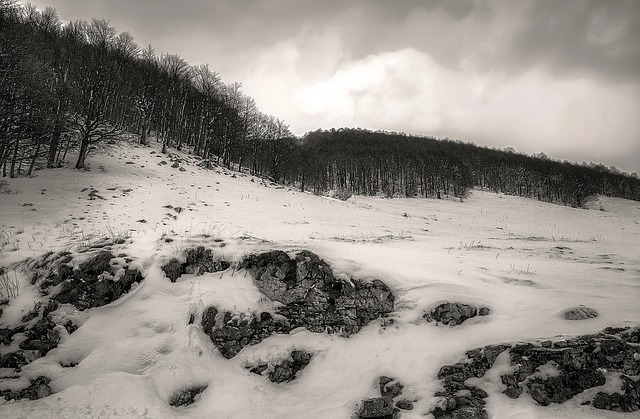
[[9, 284]]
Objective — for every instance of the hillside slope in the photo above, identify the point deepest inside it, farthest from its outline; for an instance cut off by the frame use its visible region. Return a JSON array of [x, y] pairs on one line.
[[527, 261]]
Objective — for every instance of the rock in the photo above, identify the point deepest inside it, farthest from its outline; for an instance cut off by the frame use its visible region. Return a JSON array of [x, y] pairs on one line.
[[172, 269], [463, 413], [38, 389], [484, 311], [627, 401], [580, 313], [376, 408], [6, 334], [93, 284], [313, 298], [564, 387], [460, 400], [287, 369], [404, 404], [40, 339], [454, 314], [209, 319], [579, 362], [389, 387], [232, 332], [186, 397], [199, 261], [70, 326]]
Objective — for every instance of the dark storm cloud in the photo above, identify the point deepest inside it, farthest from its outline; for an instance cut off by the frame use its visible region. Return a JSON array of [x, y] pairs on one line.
[[577, 37], [565, 37]]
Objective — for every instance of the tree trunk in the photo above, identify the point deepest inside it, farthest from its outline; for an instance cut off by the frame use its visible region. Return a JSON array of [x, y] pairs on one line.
[[143, 134], [82, 155], [54, 144], [35, 157], [12, 173]]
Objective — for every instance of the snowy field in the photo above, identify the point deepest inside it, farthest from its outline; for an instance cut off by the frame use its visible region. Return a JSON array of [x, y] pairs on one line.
[[528, 261]]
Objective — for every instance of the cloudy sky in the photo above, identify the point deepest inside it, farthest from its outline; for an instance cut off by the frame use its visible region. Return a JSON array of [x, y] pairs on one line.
[[561, 77]]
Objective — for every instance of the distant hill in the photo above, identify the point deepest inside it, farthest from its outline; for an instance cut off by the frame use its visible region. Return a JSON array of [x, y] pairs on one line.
[[366, 162]]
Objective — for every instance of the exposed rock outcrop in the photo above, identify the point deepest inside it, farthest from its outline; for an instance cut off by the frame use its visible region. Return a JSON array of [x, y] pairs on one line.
[[571, 366], [458, 399], [93, 283], [311, 297]]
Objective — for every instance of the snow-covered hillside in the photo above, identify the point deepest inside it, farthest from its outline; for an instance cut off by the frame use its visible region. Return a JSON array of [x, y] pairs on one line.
[[527, 261]]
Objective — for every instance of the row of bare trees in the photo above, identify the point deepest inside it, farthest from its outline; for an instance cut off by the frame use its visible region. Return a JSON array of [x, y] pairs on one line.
[[76, 85], [360, 161]]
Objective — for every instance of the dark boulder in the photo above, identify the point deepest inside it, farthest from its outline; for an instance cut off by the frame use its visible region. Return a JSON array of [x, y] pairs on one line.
[[172, 269], [562, 388], [231, 332], [186, 397], [580, 313], [313, 298], [389, 387], [376, 408], [86, 290], [454, 314], [627, 401], [578, 361], [199, 261], [41, 338], [287, 369], [404, 404], [38, 389]]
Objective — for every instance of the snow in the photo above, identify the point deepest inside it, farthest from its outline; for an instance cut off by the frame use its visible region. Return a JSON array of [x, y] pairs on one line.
[[526, 260]]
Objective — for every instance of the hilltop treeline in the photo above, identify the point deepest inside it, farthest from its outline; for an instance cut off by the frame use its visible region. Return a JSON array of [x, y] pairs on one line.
[[76, 85], [364, 162]]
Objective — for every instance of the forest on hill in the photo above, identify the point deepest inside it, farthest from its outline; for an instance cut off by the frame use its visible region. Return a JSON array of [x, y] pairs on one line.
[[78, 85], [366, 162]]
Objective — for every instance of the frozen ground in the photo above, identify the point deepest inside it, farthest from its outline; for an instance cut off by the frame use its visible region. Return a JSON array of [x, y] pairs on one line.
[[526, 260]]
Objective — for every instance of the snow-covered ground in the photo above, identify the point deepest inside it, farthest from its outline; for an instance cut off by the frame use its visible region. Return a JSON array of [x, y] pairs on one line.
[[526, 260]]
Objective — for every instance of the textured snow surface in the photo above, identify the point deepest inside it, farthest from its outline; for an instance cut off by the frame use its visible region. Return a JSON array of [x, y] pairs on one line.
[[526, 260]]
